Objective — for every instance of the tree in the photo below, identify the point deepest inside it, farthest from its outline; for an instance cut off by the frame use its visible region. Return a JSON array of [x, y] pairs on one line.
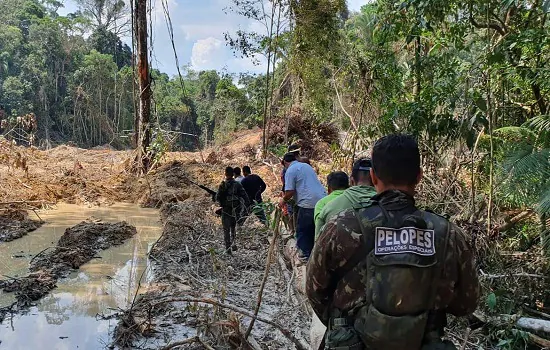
[[142, 126], [108, 15], [107, 42]]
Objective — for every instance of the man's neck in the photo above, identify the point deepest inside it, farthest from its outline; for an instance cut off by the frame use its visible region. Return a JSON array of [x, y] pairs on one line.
[[405, 189]]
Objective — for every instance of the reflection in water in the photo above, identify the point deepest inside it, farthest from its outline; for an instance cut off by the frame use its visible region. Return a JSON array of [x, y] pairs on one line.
[[71, 309]]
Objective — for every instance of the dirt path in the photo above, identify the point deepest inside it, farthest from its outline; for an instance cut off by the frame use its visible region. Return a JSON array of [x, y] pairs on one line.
[[190, 262]]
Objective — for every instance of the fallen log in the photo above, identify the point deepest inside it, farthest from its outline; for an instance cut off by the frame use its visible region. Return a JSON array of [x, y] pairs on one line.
[[28, 202], [187, 341], [317, 329], [268, 259], [521, 216], [526, 323], [521, 274], [535, 339], [291, 254]]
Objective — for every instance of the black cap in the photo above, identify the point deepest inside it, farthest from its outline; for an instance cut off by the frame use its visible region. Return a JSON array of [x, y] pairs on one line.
[[364, 164], [289, 157], [294, 148]]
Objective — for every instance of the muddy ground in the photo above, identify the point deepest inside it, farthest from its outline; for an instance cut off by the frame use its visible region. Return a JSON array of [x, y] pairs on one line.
[[78, 245], [15, 223], [190, 262]]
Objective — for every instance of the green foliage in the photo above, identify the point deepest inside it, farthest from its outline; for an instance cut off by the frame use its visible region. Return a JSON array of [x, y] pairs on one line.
[[81, 87], [107, 42], [491, 301]]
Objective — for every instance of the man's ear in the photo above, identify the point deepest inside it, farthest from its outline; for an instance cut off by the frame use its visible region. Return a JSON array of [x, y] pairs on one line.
[[419, 176], [373, 177]]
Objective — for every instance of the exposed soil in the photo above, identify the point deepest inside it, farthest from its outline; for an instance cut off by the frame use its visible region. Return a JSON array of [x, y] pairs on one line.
[[189, 259], [78, 245], [190, 262], [15, 224]]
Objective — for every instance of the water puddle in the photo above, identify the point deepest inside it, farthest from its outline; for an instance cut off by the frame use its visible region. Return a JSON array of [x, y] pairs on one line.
[[67, 318]]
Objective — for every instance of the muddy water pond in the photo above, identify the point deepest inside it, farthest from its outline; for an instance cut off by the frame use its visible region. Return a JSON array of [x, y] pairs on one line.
[[68, 318]]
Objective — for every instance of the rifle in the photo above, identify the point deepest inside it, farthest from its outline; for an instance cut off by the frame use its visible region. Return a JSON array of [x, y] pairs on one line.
[[210, 192]]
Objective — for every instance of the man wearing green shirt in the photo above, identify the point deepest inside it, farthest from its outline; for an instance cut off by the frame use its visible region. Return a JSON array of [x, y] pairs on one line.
[[337, 182], [360, 193]]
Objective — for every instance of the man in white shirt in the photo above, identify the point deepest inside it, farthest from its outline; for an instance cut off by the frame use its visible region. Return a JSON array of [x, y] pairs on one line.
[[237, 173], [302, 181]]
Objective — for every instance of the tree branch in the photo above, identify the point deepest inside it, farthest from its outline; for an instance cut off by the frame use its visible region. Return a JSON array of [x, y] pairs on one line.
[[491, 25], [300, 344], [521, 216]]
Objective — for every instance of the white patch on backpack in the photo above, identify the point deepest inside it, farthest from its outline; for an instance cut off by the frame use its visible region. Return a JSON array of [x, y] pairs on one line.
[[404, 240]]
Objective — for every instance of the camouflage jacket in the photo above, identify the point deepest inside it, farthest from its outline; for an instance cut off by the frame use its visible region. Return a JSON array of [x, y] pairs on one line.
[[331, 283], [231, 194]]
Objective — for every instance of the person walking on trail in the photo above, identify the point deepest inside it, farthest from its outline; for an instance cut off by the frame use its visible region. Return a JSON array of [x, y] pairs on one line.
[[289, 210], [357, 196], [337, 182], [237, 173], [232, 198], [301, 181], [385, 276], [254, 187]]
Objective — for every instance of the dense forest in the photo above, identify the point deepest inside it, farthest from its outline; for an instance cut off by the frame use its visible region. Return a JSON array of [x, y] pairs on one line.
[[460, 76], [74, 74], [470, 79]]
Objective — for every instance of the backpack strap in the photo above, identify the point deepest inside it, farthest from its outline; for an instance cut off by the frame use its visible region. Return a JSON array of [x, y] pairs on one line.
[[369, 243], [433, 317]]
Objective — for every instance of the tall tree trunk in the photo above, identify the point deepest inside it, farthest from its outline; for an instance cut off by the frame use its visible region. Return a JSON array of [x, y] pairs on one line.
[[265, 136], [418, 70], [143, 131]]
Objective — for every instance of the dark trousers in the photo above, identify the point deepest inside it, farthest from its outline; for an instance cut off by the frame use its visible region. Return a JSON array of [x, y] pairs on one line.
[[229, 223], [305, 230]]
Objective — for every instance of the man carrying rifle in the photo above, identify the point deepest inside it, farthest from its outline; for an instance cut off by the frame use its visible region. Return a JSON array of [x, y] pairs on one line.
[[233, 199]]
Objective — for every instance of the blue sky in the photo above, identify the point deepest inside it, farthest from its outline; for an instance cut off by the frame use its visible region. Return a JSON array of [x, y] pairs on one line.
[[199, 27]]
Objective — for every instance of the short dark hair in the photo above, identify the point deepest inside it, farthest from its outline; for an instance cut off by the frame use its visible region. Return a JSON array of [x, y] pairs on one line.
[[289, 157], [361, 168], [246, 169], [294, 148], [237, 171], [229, 171], [396, 159], [338, 180]]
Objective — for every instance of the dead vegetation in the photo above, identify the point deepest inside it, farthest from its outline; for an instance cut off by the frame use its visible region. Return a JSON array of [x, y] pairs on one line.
[[195, 283], [15, 223], [315, 139], [202, 292]]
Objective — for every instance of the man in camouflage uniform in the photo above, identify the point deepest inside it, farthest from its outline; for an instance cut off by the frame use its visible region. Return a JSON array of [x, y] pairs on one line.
[[386, 275], [233, 199]]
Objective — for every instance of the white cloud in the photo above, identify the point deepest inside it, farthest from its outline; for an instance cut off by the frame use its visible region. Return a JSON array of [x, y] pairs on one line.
[[209, 53], [259, 65], [355, 5], [199, 31]]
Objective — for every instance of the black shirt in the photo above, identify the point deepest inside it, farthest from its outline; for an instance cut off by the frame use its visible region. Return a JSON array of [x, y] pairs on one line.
[[254, 187]]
